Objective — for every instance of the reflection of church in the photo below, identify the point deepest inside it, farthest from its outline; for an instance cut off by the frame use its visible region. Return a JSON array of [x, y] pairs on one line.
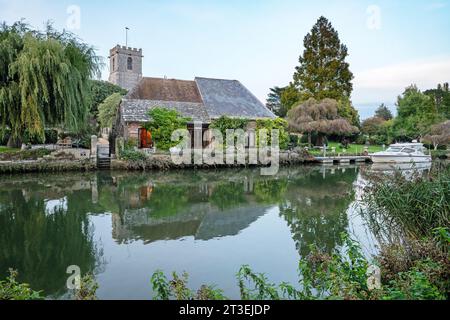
[[201, 221]]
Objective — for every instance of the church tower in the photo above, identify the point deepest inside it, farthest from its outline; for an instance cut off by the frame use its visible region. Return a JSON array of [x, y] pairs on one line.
[[125, 66]]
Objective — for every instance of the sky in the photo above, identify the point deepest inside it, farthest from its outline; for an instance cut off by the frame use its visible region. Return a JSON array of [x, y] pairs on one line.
[[392, 43]]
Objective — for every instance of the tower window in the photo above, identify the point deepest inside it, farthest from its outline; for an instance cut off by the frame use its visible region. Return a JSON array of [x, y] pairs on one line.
[[114, 64], [130, 63]]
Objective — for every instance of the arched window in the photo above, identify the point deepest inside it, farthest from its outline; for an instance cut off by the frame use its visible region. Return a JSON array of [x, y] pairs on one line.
[[130, 63]]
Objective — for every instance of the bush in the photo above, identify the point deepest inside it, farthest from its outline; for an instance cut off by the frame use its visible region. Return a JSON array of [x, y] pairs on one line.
[[132, 155], [51, 136], [163, 123], [177, 288], [341, 275], [10, 289], [275, 124]]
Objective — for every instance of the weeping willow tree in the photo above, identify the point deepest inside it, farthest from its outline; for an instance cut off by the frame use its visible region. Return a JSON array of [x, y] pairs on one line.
[[44, 81]]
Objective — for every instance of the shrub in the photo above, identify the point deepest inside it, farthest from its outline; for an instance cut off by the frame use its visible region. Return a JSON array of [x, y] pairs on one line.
[[162, 124], [132, 155], [88, 288], [177, 288], [275, 124], [10, 289]]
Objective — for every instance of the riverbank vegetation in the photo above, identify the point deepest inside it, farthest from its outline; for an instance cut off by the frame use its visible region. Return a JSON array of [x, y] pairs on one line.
[[323, 79], [413, 261]]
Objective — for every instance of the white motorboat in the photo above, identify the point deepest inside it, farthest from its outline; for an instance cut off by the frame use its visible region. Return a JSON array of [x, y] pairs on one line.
[[402, 153]]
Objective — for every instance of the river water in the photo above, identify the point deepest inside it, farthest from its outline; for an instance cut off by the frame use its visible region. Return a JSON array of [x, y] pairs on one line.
[[122, 227]]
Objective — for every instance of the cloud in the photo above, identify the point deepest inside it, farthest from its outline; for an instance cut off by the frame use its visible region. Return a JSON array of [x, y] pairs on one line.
[[390, 81], [423, 73]]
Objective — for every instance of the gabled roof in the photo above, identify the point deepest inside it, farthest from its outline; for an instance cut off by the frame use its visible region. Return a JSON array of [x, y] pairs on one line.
[[166, 90], [136, 110], [201, 100], [230, 98]]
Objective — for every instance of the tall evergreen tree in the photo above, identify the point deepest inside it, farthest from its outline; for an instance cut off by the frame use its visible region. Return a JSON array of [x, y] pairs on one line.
[[323, 71], [281, 100], [384, 113]]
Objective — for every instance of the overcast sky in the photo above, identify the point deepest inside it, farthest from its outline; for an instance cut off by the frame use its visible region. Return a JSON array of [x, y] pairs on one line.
[[392, 43]]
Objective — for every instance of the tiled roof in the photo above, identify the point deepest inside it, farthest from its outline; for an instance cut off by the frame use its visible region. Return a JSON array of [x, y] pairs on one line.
[[230, 98], [166, 90], [135, 110]]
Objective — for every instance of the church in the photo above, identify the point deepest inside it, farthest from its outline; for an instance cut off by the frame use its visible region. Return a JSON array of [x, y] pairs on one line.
[[203, 99]]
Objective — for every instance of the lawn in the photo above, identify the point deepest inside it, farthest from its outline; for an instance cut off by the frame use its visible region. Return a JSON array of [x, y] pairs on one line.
[[4, 149], [353, 149]]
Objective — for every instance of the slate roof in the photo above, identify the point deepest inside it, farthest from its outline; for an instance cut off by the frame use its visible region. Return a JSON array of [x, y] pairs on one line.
[[230, 98], [135, 110], [201, 100]]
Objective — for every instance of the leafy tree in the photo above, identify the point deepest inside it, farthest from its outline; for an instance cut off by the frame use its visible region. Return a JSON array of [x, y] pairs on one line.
[[323, 71], [372, 126], [441, 97], [348, 112], [107, 110], [416, 114], [439, 135], [43, 80], [162, 124], [383, 112], [100, 91], [320, 117]]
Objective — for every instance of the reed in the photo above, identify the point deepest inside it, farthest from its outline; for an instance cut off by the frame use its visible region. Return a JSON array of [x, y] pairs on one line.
[[415, 205]]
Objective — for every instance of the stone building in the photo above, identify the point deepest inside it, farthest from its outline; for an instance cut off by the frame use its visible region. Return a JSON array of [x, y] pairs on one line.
[[125, 66], [202, 100]]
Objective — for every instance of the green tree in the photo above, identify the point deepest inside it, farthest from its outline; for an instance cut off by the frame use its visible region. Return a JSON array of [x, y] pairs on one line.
[[372, 126], [107, 111], [43, 81], [416, 114], [100, 91], [281, 100], [383, 112], [323, 71], [274, 99], [162, 124], [441, 97]]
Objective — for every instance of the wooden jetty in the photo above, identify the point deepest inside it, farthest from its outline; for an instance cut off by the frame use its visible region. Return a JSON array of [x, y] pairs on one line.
[[331, 160]]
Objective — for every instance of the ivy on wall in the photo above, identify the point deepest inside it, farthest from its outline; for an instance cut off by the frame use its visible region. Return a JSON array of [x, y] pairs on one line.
[[274, 124]]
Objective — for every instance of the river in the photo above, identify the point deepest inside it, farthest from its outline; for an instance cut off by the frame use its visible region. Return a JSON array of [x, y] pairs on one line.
[[123, 226]]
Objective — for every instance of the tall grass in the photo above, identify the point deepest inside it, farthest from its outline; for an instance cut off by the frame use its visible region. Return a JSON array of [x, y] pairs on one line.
[[415, 205]]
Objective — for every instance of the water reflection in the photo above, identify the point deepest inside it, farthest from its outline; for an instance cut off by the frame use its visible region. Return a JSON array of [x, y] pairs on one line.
[[46, 221]]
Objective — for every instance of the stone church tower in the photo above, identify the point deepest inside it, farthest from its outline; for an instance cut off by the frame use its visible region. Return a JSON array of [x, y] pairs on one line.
[[125, 66]]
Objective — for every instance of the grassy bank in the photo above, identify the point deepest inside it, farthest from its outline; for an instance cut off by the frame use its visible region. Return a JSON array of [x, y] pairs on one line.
[[353, 149]]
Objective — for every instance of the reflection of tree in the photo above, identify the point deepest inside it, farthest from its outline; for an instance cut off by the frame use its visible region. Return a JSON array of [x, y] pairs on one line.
[[315, 209], [270, 191], [41, 244], [228, 195]]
